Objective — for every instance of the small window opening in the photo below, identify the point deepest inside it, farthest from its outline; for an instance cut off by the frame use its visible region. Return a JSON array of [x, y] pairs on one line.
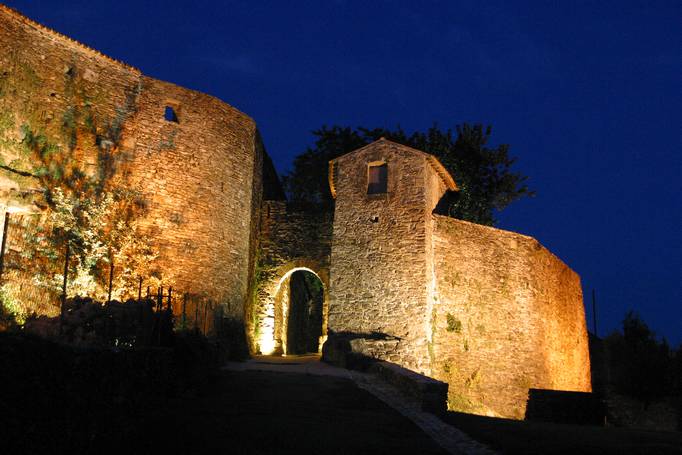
[[170, 115], [377, 179]]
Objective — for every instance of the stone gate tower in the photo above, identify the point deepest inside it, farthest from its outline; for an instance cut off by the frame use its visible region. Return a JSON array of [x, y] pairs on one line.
[[492, 313], [381, 273]]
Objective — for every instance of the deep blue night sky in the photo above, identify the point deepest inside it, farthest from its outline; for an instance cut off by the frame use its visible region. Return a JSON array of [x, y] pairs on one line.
[[587, 93]]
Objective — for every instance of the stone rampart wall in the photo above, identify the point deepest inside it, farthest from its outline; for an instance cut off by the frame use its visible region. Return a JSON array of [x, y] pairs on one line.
[[508, 316], [198, 179], [379, 268]]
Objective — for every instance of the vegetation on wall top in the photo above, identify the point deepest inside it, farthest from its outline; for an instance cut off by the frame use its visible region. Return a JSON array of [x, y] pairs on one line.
[[483, 173]]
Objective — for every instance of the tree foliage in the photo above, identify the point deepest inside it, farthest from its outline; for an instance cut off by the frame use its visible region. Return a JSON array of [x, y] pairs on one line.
[[483, 173], [642, 366]]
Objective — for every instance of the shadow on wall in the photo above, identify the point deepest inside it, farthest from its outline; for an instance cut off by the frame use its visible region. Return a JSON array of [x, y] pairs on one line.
[[305, 319], [363, 352]]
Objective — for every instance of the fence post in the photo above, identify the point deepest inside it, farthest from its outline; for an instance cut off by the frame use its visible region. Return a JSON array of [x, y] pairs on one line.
[[184, 313], [170, 302], [196, 315], [66, 273], [159, 314], [206, 317], [2, 247], [111, 278]]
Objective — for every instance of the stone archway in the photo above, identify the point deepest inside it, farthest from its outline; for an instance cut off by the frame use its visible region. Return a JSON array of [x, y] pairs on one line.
[[272, 309]]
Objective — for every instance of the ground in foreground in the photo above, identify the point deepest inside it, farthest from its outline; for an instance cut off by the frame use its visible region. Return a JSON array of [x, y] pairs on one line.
[[265, 412], [522, 437]]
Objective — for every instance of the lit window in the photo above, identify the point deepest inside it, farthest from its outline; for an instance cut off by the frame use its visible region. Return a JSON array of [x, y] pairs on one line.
[[377, 179], [170, 114]]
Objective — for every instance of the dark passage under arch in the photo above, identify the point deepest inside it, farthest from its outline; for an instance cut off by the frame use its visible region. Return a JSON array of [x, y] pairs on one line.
[[305, 316]]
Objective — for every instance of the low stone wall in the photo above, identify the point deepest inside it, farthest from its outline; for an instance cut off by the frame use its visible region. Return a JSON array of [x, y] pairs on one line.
[[356, 351], [432, 394], [360, 353], [565, 407]]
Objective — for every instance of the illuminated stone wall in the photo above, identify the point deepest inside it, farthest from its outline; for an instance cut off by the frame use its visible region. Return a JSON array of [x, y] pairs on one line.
[[198, 178], [491, 312], [290, 240], [380, 269], [508, 316]]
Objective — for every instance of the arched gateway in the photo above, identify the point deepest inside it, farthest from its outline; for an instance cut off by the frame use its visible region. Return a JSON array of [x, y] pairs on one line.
[[293, 309], [290, 307]]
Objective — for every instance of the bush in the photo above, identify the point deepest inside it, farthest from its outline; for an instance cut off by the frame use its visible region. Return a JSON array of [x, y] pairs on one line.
[[58, 398], [7, 319], [231, 337], [642, 366]]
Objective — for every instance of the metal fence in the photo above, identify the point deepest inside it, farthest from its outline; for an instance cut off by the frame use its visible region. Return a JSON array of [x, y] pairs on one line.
[[189, 311]]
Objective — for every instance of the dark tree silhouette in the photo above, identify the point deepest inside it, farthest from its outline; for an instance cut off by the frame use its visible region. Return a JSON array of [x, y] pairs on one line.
[[483, 173], [642, 366]]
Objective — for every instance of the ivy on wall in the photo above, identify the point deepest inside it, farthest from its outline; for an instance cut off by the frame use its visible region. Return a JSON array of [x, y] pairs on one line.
[[63, 164]]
